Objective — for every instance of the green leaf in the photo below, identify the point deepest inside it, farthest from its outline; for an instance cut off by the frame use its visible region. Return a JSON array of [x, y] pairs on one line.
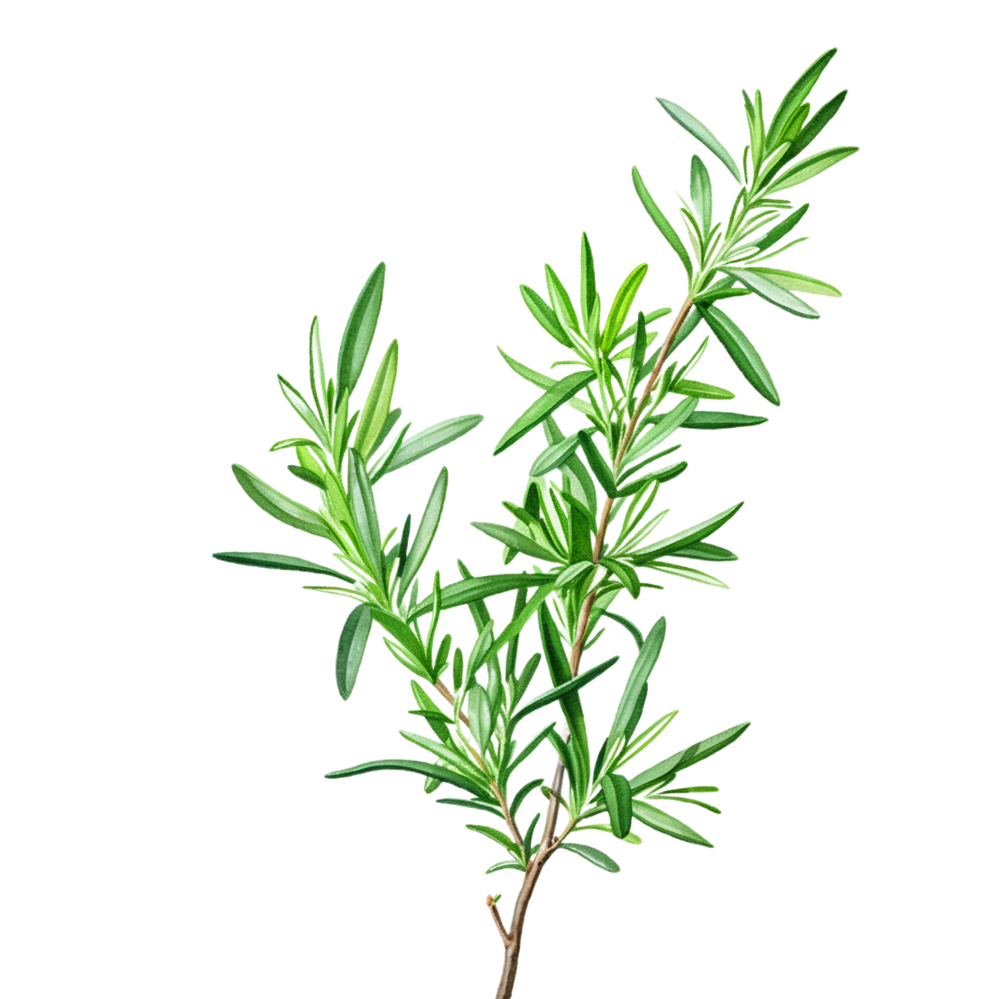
[[467, 591], [379, 402], [632, 629], [617, 798], [742, 352], [689, 801], [265, 561], [554, 456], [465, 803], [687, 758], [625, 573], [359, 332], [426, 441], [519, 797], [810, 132], [621, 305], [561, 302], [536, 413], [295, 442], [414, 766], [304, 410], [317, 374], [562, 690], [545, 316], [451, 756], [504, 865], [362, 506], [480, 718], [543, 381], [779, 231], [514, 539], [350, 648], [406, 639], [572, 573], [280, 506], [661, 822], [535, 742], [685, 572], [587, 287], [710, 295], [797, 282], [794, 98], [662, 223], [707, 552], [650, 318], [425, 533], [640, 673], [700, 193], [558, 667], [704, 420], [593, 855], [700, 390], [597, 463], [810, 166], [495, 835], [684, 539], [772, 292], [700, 132], [661, 429]]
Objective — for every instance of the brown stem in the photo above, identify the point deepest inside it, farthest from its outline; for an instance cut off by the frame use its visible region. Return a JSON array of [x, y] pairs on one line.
[[497, 918]]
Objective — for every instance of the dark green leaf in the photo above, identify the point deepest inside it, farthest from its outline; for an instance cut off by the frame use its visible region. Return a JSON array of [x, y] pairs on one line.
[[780, 230], [640, 673], [660, 821], [317, 374], [700, 132], [350, 648], [523, 793], [703, 420], [554, 456], [558, 667], [593, 855], [362, 506], [588, 285], [514, 539], [561, 691], [464, 803], [534, 743], [544, 315], [280, 506], [810, 132], [409, 642], [543, 381], [794, 98], [561, 302], [304, 410], [554, 397], [628, 626], [688, 757], [700, 194], [707, 552], [597, 463], [742, 352], [699, 390], [479, 587], [662, 223], [495, 835], [685, 538], [415, 766], [480, 719], [505, 865], [359, 332], [265, 561], [617, 798], [307, 475]]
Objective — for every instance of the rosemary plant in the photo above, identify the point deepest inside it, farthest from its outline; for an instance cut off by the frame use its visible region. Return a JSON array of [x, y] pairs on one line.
[[587, 526]]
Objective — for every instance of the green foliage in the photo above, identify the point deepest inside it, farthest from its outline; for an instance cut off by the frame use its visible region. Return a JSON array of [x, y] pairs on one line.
[[587, 520]]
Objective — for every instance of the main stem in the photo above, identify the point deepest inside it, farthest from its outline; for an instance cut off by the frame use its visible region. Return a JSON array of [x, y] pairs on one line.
[[549, 843]]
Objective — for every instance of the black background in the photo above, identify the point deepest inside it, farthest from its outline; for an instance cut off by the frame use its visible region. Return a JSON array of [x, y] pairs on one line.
[[465, 191]]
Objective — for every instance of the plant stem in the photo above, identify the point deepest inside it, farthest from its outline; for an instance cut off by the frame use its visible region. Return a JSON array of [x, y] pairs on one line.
[[549, 842]]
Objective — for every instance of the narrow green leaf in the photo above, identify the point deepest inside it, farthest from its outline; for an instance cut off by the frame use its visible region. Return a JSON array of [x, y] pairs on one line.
[[479, 587], [810, 166], [280, 506], [359, 332], [295, 442], [797, 282], [597, 464], [661, 429], [587, 286], [304, 410], [543, 381], [687, 758], [464, 803], [561, 302], [561, 691], [362, 506], [264, 560], [593, 855], [545, 316], [661, 822], [700, 132], [425, 533], [625, 573], [707, 552], [794, 98], [452, 756], [414, 766], [640, 673], [700, 390], [700, 193], [810, 132], [779, 231], [514, 539], [379, 402], [617, 798], [317, 373], [621, 306], [704, 420], [495, 835], [407, 640], [480, 719], [558, 667], [685, 572], [685, 538], [426, 441], [772, 292], [661, 222], [505, 865], [742, 352], [535, 742], [350, 648], [554, 456], [632, 629], [562, 391], [519, 797]]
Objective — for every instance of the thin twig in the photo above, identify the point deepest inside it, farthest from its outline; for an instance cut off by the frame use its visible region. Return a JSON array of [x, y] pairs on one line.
[[497, 919]]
